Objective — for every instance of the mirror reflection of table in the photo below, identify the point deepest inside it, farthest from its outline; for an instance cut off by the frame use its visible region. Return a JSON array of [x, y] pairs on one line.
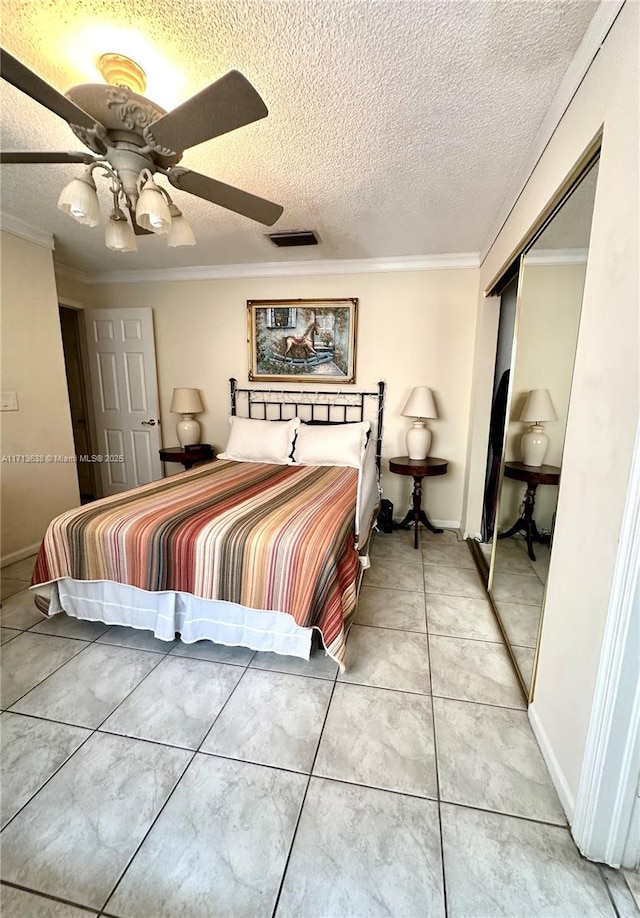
[[533, 476]]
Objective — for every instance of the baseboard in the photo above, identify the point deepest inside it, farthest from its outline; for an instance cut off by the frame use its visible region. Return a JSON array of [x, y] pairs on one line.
[[558, 776], [19, 555]]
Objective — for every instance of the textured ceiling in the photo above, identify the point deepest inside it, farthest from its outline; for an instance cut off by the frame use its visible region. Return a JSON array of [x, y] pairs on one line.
[[396, 127]]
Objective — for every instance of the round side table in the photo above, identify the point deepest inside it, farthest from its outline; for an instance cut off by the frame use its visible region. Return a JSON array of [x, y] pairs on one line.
[[533, 475], [187, 458], [418, 469]]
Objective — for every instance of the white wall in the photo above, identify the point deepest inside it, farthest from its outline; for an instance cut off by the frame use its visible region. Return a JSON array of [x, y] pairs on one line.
[[605, 399], [413, 329], [33, 366]]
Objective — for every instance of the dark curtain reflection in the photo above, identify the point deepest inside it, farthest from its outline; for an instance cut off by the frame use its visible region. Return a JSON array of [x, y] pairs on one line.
[[494, 455]]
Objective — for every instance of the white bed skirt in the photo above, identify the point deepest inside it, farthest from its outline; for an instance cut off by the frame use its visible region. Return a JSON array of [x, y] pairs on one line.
[[167, 613]]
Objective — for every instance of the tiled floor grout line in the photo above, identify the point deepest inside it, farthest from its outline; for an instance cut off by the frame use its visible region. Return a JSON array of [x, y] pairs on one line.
[[50, 778], [302, 803], [495, 640], [436, 766], [57, 669], [36, 892], [609, 891], [146, 834], [173, 790], [530, 819], [227, 700]]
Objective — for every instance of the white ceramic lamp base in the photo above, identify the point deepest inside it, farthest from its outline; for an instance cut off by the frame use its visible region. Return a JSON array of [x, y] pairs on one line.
[[418, 440], [188, 430], [534, 445]]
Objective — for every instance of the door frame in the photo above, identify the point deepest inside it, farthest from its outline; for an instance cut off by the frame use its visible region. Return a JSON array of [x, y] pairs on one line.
[[606, 806], [80, 309]]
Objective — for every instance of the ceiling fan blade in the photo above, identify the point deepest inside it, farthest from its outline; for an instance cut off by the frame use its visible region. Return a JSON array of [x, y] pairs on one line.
[[23, 156], [14, 72], [225, 105], [248, 205]]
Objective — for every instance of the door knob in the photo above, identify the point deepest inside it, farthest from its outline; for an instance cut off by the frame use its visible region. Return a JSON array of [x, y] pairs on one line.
[[150, 423]]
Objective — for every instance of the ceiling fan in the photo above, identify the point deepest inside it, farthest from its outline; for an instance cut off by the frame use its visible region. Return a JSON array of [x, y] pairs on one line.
[[131, 139]]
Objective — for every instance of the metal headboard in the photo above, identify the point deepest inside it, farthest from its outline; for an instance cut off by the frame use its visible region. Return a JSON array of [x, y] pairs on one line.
[[337, 407]]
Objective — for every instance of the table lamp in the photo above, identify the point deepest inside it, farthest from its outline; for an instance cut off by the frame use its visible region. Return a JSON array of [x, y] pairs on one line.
[[537, 407], [187, 402], [420, 405]]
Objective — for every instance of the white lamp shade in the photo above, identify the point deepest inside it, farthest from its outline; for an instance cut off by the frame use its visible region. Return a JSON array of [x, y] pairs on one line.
[[181, 232], [152, 211], [119, 237], [420, 404], [79, 200], [538, 407], [186, 401]]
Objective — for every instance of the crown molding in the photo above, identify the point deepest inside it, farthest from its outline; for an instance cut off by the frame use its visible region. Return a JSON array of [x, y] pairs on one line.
[[598, 29], [18, 227], [291, 269], [556, 257], [74, 274]]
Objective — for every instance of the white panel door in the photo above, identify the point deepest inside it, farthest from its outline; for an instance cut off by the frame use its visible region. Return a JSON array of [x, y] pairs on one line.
[[125, 396]]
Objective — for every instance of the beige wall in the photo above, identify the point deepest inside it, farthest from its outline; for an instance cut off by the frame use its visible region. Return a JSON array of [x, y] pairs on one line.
[[414, 329], [32, 365], [604, 409], [548, 318]]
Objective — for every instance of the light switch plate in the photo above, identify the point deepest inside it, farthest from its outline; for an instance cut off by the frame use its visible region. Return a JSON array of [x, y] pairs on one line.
[[8, 400]]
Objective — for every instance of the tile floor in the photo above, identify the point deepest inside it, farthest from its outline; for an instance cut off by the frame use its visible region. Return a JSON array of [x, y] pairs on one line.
[[150, 780], [518, 589]]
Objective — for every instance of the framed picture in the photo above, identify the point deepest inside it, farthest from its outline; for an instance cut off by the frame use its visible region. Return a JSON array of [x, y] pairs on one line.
[[296, 340]]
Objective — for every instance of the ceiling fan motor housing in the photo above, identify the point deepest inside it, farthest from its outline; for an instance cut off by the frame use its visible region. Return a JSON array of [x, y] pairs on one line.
[[126, 116]]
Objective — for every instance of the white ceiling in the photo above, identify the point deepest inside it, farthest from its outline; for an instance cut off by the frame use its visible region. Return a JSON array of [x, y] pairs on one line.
[[396, 127]]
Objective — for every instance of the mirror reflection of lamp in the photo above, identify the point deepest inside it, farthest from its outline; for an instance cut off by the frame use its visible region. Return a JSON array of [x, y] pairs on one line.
[[538, 407], [420, 405], [187, 402]]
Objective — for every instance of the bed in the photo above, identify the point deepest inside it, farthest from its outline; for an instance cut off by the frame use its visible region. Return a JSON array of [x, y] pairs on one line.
[[240, 551]]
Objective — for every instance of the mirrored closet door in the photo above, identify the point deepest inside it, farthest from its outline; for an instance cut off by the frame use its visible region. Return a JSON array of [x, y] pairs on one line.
[[549, 302]]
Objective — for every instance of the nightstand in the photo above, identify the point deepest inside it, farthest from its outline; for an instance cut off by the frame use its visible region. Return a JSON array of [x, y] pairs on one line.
[[418, 469], [188, 458]]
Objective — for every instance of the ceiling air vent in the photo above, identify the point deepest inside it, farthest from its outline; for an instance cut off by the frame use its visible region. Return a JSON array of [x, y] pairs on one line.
[[305, 237]]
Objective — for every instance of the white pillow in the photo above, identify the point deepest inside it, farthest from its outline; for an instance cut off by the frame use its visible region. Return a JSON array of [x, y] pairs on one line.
[[251, 440], [331, 444]]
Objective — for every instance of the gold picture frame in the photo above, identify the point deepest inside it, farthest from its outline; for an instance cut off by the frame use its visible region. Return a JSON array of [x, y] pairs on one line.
[[299, 340]]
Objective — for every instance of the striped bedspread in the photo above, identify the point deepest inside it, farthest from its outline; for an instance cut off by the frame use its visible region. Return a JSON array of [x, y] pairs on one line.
[[264, 536]]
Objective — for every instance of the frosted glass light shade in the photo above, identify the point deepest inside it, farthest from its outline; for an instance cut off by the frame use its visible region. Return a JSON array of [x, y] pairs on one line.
[[79, 200], [152, 211], [118, 236], [186, 401], [420, 404], [538, 407], [181, 232]]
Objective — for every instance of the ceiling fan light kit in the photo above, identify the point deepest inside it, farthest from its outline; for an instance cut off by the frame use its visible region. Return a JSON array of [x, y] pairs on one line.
[[152, 211], [118, 236], [180, 232], [79, 199], [132, 139]]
